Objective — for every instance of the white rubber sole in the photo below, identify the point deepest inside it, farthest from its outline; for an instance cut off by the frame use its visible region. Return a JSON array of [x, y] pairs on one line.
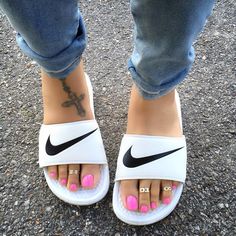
[[82, 196]]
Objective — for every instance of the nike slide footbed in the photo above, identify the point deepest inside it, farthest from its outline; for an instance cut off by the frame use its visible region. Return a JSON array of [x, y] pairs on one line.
[[74, 143], [150, 157]]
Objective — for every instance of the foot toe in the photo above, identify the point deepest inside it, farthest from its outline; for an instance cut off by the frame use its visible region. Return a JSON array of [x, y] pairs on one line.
[[166, 187], [155, 194], [129, 194], [73, 177], [175, 184], [90, 175], [63, 174], [144, 195], [52, 172]]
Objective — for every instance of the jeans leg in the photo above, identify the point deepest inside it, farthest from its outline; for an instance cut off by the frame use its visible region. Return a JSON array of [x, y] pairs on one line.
[[50, 32], [164, 34]]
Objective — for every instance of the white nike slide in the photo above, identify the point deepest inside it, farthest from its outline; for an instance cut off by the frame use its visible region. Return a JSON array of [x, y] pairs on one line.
[[74, 143], [150, 157]]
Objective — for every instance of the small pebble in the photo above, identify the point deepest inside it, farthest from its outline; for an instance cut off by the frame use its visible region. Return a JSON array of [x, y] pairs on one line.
[[48, 209], [221, 205]]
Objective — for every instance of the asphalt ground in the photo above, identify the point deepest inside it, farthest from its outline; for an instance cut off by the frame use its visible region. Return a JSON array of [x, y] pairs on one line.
[[208, 96]]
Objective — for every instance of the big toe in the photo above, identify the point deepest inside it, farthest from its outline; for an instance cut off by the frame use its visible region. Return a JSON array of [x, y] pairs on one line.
[[129, 194], [90, 175]]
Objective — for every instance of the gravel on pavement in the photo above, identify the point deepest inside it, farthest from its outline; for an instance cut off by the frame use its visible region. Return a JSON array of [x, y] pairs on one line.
[[208, 97]]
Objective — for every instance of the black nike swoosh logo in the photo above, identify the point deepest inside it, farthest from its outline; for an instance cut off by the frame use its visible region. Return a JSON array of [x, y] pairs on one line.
[[131, 162], [52, 150]]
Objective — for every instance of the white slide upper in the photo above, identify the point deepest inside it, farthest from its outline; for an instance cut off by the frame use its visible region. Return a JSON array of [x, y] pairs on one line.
[[70, 140], [137, 147], [74, 143]]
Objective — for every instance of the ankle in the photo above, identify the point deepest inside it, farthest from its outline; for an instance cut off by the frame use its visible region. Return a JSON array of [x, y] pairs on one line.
[[66, 100], [54, 116], [162, 102], [153, 117]]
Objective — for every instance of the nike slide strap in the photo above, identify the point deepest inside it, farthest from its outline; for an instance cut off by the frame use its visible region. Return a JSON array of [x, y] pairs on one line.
[[152, 157], [71, 143]]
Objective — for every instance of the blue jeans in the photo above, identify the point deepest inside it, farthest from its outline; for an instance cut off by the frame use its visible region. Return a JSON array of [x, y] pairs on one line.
[[52, 33]]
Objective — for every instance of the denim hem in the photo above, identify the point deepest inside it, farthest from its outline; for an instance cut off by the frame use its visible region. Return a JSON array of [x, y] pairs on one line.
[[150, 92], [62, 63], [64, 72]]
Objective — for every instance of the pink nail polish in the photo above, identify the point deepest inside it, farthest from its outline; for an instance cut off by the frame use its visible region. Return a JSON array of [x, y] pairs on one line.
[[166, 200], [153, 205], [88, 181], [174, 187], [73, 187], [132, 203], [52, 174], [63, 181], [144, 208]]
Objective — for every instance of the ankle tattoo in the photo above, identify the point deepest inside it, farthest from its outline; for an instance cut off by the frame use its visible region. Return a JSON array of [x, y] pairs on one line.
[[74, 100]]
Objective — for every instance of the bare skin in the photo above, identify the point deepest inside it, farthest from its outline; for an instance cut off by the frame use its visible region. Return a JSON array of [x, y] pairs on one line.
[[151, 117], [67, 100]]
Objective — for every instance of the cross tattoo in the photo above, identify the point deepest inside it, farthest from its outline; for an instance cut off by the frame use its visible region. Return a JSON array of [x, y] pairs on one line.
[[74, 100]]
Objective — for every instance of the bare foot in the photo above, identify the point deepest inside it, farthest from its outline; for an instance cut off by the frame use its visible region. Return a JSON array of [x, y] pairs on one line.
[[150, 117], [67, 100]]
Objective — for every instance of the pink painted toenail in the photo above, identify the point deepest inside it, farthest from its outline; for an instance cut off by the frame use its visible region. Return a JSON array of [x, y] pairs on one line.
[[63, 181], [166, 200], [174, 187], [132, 203], [153, 205], [52, 174], [144, 208], [73, 187], [88, 181]]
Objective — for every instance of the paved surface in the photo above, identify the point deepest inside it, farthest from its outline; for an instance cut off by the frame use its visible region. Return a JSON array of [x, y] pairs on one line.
[[207, 206]]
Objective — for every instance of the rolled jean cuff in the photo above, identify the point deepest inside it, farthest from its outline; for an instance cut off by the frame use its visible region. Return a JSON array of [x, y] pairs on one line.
[[149, 91], [65, 61]]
